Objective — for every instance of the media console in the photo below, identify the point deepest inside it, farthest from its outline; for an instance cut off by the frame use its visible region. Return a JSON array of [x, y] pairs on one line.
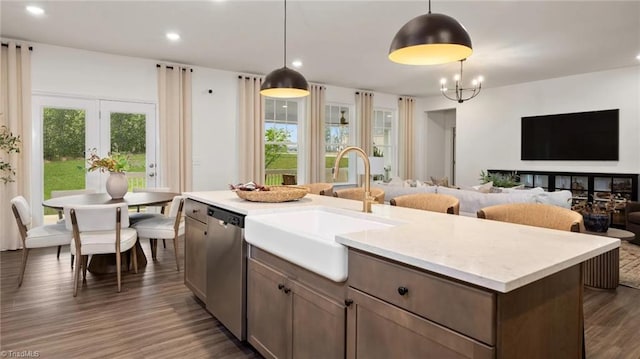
[[590, 186]]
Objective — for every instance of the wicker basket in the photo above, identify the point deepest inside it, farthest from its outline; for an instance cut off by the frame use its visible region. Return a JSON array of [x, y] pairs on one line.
[[275, 194]]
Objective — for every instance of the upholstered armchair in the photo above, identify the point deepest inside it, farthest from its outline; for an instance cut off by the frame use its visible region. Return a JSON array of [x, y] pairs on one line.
[[632, 216]]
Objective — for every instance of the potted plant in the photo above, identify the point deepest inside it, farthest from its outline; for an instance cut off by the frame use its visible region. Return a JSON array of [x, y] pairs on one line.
[[597, 214], [9, 143], [116, 164], [506, 180]]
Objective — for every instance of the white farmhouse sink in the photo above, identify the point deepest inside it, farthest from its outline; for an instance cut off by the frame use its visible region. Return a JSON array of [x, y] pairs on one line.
[[306, 236]]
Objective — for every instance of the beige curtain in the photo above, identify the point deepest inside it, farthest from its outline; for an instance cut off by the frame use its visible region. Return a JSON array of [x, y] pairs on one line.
[[250, 130], [364, 116], [406, 107], [316, 147], [15, 113], [174, 117]]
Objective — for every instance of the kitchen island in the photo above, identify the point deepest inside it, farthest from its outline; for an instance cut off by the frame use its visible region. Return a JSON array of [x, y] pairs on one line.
[[433, 285]]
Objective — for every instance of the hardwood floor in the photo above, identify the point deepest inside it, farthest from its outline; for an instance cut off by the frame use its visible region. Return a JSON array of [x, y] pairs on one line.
[[156, 316]]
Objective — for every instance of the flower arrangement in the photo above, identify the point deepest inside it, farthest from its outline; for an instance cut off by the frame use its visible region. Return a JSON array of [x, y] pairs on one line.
[[9, 143], [597, 214], [113, 162], [606, 205]]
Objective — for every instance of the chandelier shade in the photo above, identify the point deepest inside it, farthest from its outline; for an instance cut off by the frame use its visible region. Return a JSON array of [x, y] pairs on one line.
[[284, 82], [430, 39]]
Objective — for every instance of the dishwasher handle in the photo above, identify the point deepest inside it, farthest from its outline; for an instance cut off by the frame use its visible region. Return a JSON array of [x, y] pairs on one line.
[[228, 217]]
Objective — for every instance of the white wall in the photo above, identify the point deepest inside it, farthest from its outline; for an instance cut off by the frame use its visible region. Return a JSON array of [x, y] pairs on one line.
[[488, 127], [78, 73]]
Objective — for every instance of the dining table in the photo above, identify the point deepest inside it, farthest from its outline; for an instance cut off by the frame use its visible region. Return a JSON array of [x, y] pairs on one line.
[[106, 263]]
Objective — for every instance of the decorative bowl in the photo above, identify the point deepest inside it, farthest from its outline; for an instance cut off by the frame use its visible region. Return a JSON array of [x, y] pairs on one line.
[[275, 194]]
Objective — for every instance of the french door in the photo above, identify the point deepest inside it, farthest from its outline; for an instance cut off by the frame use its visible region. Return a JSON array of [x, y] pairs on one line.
[[65, 129]]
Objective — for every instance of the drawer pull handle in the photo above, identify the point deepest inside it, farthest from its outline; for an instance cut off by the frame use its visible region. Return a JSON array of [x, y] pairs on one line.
[[280, 286], [194, 211], [403, 290]]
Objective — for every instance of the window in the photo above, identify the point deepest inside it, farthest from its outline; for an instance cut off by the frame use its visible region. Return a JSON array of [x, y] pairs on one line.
[[384, 139], [337, 124], [281, 139]]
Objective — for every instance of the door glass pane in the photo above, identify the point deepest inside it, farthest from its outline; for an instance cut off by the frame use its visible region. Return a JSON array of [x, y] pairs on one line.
[[63, 150], [128, 136]]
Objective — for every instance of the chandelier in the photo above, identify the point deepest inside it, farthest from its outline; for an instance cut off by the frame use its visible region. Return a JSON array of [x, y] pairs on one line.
[[459, 92]]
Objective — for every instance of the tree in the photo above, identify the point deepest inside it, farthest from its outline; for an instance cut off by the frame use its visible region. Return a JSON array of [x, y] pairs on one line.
[[274, 144]]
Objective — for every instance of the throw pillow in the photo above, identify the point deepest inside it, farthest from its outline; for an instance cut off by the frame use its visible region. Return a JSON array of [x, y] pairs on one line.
[[444, 181], [484, 188]]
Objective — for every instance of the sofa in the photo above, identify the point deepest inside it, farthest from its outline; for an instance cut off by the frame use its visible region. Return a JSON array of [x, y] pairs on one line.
[[473, 200]]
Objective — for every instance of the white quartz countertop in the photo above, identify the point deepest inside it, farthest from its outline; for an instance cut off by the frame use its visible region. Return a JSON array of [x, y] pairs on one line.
[[494, 255]]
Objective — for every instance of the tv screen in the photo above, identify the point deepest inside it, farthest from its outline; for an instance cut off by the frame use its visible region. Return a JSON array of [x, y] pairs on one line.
[[581, 136]]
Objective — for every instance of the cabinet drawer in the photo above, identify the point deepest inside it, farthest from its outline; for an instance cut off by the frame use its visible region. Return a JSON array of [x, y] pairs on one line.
[[380, 330], [196, 210], [468, 310]]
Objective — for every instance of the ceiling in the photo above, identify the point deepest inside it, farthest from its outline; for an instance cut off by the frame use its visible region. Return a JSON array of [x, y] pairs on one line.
[[344, 43]]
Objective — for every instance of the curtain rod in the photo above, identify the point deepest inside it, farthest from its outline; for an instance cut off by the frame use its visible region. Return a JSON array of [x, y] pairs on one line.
[[17, 46], [171, 67]]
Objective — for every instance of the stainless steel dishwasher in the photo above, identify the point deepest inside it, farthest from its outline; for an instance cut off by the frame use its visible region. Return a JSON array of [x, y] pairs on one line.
[[226, 269]]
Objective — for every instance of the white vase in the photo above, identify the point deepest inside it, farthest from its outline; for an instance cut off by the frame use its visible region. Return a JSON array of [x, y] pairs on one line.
[[117, 185]]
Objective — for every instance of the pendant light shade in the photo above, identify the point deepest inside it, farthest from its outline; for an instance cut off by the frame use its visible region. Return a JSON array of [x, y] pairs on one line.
[[284, 82], [430, 39]]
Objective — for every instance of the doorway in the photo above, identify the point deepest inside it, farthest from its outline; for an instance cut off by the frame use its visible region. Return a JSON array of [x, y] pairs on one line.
[[66, 128], [441, 143]]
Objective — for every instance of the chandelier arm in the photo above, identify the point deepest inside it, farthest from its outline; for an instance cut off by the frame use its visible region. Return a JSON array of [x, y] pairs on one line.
[[444, 93]]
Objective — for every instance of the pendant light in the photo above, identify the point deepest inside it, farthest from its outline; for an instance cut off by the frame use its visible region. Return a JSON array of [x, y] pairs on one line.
[[430, 39], [284, 82]]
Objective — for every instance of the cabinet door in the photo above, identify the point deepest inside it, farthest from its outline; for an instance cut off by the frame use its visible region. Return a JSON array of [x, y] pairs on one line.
[[318, 324], [268, 311], [376, 329], [195, 257]]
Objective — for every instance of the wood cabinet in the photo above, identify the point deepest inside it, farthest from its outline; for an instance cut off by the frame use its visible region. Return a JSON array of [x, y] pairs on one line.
[[195, 250], [289, 319], [398, 311]]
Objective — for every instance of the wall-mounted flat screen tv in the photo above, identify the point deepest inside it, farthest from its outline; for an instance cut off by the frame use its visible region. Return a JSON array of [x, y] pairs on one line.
[[580, 136]]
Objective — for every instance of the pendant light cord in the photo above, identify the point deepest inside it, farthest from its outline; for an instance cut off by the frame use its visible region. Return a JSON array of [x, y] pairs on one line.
[[285, 34], [429, 6]]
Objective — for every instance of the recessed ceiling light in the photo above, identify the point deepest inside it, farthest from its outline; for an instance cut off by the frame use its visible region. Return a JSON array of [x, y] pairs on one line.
[[173, 36], [35, 10], [638, 57], [296, 63]]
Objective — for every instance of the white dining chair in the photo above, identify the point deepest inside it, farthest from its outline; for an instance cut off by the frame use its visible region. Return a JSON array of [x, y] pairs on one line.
[[65, 193], [49, 235], [170, 227], [100, 229]]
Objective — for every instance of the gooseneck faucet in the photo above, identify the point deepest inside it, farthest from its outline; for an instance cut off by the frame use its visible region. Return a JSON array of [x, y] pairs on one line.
[[367, 200]]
